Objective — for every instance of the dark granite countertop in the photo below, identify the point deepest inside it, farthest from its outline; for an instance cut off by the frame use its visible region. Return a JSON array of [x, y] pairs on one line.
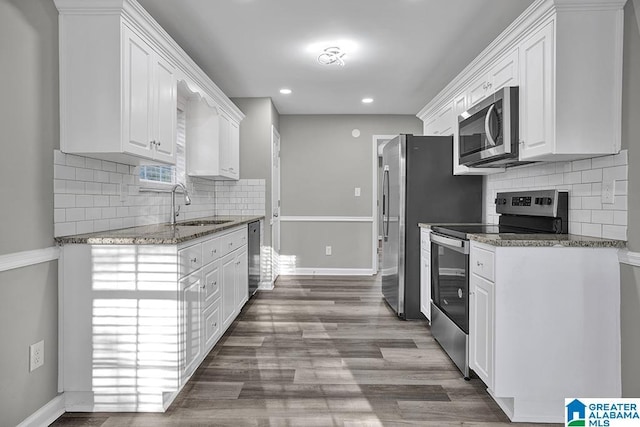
[[541, 240], [159, 234]]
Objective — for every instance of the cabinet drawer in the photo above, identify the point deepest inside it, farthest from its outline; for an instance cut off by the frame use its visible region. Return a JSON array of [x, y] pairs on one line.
[[210, 250], [212, 323], [211, 284], [482, 263], [233, 241], [190, 259]]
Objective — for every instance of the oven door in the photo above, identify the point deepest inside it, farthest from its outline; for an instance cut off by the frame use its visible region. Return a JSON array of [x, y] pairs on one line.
[[449, 278]]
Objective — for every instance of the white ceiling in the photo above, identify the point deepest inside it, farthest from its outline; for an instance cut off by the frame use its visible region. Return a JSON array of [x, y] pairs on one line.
[[405, 51]]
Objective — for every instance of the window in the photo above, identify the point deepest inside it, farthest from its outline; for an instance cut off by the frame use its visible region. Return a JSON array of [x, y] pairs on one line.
[[154, 175]]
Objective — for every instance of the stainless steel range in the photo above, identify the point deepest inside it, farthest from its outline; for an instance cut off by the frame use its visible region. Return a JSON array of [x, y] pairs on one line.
[[523, 212]]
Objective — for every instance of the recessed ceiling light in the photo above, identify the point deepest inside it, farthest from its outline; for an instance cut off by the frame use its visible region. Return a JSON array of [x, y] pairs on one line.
[[285, 91], [367, 100]]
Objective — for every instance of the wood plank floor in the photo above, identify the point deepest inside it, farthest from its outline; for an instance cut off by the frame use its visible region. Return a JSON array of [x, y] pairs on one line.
[[321, 352]]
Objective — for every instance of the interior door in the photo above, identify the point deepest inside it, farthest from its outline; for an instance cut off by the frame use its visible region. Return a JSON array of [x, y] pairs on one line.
[[275, 202]]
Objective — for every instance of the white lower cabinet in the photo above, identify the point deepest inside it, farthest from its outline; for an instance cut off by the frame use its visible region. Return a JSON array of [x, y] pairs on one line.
[[144, 316], [544, 324], [425, 272]]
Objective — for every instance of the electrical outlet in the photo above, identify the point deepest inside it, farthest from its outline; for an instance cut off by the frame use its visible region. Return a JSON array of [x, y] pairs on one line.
[[357, 192], [327, 250], [608, 192], [36, 355]]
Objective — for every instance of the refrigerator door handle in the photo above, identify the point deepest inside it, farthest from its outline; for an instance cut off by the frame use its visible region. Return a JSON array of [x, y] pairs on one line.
[[385, 202]]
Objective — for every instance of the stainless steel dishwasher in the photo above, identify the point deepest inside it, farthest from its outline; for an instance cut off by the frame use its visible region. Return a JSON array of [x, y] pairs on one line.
[[254, 257]]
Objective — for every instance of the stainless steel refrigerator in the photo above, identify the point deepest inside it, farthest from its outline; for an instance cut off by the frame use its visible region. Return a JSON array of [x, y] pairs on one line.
[[418, 185]]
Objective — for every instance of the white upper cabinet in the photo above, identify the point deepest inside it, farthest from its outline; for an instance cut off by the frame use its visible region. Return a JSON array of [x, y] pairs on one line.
[[118, 83], [441, 122], [149, 107], [213, 142], [566, 58]]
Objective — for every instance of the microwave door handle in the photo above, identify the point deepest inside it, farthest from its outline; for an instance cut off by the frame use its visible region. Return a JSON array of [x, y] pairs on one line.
[[487, 129], [453, 244]]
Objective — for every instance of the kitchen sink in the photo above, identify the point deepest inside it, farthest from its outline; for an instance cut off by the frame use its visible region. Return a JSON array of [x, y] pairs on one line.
[[204, 222]]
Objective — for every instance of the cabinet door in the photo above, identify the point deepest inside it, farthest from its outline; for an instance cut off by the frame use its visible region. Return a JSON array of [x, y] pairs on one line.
[[234, 149], [481, 328], [165, 112], [228, 268], [138, 64], [536, 94], [478, 90], [211, 285], [225, 148], [242, 278], [191, 314], [504, 73], [212, 325]]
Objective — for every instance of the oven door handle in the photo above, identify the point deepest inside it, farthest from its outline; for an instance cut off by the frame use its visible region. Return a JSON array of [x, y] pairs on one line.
[[457, 245]]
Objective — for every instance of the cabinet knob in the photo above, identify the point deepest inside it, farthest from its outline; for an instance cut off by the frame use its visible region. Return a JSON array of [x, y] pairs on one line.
[[215, 283], [152, 143], [194, 260], [158, 144], [213, 251], [479, 264], [204, 286]]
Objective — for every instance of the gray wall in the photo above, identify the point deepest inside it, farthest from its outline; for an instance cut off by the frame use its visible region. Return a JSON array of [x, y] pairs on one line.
[[630, 276], [29, 121], [322, 163], [255, 146]]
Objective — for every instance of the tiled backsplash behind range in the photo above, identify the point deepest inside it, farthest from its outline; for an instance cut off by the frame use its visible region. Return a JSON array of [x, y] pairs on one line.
[[583, 179], [87, 197]]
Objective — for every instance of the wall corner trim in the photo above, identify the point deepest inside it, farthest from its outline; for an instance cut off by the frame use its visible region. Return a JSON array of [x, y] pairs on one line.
[[47, 414], [625, 256], [27, 258]]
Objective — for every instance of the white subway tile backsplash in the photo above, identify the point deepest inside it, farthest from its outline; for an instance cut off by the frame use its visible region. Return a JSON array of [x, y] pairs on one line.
[[109, 166], [84, 201], [64, 172], [592, 175], [602, 217], [618, 173], [64, 200], [84, 174], [583, 179], [75, 161], [580, 165], [75, 214], [87, 197], [602, 162], [615, 231], [59, 158], [593, 230], [93, 213], [620, 218]]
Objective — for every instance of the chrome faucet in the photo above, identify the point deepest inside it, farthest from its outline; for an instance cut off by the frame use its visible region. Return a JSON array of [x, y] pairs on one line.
[[187, 201]]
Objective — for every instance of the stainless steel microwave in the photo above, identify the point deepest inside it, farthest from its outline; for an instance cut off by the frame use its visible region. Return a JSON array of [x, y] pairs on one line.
[[488, 132]]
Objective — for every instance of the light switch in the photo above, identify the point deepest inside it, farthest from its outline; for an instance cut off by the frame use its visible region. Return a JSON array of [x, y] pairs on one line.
[[357, 192]]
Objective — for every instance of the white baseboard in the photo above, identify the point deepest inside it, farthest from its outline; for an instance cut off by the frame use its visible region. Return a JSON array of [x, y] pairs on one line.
[[329, 272], [47, 414], [625, 256]]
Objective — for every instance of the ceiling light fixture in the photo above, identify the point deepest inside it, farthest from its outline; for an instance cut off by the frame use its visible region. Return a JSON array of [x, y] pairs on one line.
[[331, 55], [285, 91], [367, 100]]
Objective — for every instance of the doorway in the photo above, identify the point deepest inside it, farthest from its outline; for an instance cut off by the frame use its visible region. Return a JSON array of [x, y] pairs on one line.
[[275, 204]]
